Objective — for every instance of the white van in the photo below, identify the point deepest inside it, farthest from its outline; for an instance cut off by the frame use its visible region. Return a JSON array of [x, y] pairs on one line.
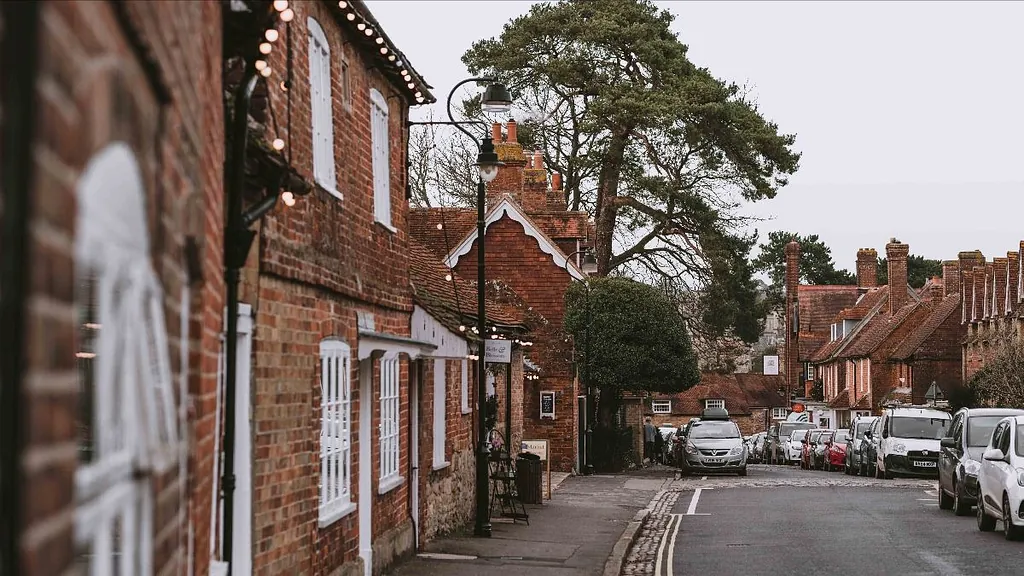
[[910, 442]]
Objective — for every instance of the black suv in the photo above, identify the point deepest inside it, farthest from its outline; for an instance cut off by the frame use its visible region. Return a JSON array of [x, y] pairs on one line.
[[960, 456]]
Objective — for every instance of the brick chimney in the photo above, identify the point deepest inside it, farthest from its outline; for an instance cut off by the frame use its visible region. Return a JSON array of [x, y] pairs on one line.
[[556, 196], [987, 308], [934, 290], [867, 268], [966, 293], [896, 253], [977, 293], [509, 181], [950, 277], [1012, 279], [792, 316], [998, 306]]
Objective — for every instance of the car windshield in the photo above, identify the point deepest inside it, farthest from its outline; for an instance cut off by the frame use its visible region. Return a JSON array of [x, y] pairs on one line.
[[712, 429], [797, 435], [841, 437], [979, 429], [824, 437], [862, 428], [1020, 440], [788, 428], [920, 427], [814, 437]]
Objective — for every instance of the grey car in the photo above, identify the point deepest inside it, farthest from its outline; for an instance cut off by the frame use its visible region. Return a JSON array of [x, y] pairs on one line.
[[854, 441], [960, 456], [714, 445]]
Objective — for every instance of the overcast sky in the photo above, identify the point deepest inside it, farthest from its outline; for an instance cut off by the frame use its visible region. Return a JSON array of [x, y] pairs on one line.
[[910, 116]]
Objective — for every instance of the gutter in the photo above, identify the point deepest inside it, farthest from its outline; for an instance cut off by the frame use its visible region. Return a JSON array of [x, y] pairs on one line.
[[20, 54]]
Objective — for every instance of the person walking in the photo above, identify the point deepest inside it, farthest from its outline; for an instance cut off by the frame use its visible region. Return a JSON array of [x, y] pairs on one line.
[[659, 447], [649, 434]]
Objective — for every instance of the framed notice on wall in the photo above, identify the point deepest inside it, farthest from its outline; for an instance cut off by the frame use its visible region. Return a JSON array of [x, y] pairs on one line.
[[547, 405]]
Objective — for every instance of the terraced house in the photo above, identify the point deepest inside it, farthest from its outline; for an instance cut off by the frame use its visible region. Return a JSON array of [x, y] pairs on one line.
[[992, 311]]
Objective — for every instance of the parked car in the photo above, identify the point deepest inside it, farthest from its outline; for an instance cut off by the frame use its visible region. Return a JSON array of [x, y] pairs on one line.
[[854, 440], [807, 447], [1001, 479], [667, 452], [817, 454], [779, 450], [869, 448], [679, 441], [960, 457], [910, 442], [835, 451], [757, 447], [714, 444]]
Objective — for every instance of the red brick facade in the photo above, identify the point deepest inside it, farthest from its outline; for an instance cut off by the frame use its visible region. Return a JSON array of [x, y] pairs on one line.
[[996, 321]]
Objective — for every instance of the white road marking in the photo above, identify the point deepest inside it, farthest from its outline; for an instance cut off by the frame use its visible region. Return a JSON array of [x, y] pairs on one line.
[[672, 546], [443, 556], [661, 545], [691, 511]]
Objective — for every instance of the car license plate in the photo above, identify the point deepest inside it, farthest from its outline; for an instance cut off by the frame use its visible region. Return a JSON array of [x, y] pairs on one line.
[[714, 460], [924, 464]]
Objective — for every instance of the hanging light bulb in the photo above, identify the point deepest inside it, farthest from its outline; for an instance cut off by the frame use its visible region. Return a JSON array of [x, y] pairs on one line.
[[351, 16], [411, 85], [380, 40], [284, 85], [261, 64], [287, 15], [278, 144], [391, 58], [418, 94], [342, 4], [462, 328], [368, 31], [272, 34], [288, 198], [419, 99], [447, 277], [280, 5], [361, 26], [265, 47], [440, 226], [383, 49], [265, 72]]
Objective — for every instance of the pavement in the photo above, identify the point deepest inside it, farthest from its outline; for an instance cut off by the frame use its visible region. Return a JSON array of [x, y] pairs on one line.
[[572, 534], [783, 520]]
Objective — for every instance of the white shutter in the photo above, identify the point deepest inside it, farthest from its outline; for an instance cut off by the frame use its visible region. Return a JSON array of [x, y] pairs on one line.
[[321, 115], [440, 400], [380, 148], [465, 386]]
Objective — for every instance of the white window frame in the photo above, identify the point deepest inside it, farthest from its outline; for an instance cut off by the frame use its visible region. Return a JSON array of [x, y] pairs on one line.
[[335, 487], [665, 405], [466, 408], [714, 403], [380, 153], [320, 107], [389, 427], [780, 413], [440, 413], [134, 431]]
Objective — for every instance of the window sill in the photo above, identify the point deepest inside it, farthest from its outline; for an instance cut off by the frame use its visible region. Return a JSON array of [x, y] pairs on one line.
[[330, 189], [218, 568], [441, 466], [332, 514], [466, 411], [389, 484], [386, 226]]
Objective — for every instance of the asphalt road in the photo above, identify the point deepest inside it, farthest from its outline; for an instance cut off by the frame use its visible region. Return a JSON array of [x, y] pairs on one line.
[[787, 521]]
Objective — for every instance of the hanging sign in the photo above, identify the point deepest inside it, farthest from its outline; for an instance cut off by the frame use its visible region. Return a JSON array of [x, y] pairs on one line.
[[771, 365], [498, 351], [547, 405]]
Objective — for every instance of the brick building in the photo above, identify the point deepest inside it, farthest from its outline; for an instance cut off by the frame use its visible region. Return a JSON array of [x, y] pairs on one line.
[[754, 401], [992, 313], [115, 113], [533, 245]]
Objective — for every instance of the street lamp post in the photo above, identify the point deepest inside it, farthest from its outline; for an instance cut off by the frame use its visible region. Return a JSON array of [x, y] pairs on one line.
[[494, 99], [589, 267]]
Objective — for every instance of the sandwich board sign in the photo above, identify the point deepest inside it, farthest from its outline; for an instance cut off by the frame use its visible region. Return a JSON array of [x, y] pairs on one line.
[[771, 365], [540, 448]]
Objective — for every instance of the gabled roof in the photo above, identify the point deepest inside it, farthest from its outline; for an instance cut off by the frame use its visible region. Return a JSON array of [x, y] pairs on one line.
[[819, 305], [455, 224], [877, 330], [939, 313], [865, 303], [507, 207], [711, 386], [874, 300], [762, 390], [841, 401]]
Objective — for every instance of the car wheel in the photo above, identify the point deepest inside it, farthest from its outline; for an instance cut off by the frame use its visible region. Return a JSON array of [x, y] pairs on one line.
[[1010, 532], [986, 523], [960, 506], [862, 470], [889, 475], [945, 500], [743, 471]]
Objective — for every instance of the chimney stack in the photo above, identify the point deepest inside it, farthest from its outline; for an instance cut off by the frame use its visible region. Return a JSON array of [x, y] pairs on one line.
[[512, 134], [896, 253], [867, 268], [966, 292], [510, 178], [792, 317], [934, 290], [978, 293], [999, 287], [496, 132], [950, 277], [1012, 279]]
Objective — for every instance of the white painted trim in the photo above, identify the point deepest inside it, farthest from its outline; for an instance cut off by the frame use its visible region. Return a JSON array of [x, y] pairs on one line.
[[415, 373], [441, 466], [426, 328], [510, 208], [440, 412], [326, 518], [390, 484], [370, 343], [365, 441]]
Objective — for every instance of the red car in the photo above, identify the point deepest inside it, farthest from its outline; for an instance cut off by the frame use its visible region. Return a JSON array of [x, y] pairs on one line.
[[807, 445], [835, 451]]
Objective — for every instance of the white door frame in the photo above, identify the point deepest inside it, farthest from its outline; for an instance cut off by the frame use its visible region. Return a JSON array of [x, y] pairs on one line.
[[366, 465], [414, 450], [242, 533]]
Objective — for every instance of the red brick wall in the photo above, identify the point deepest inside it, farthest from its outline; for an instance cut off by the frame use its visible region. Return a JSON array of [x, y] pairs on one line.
[[791, 367], [517, 259], [896, 255], [92, 91], [999, 279], [867, 268]]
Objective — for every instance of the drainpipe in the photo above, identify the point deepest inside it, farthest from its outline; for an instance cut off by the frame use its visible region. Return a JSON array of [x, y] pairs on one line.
[[237, 241], [20, 50]]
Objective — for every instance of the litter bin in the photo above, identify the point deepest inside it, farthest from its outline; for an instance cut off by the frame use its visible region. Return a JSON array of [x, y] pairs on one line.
[[529, 482]]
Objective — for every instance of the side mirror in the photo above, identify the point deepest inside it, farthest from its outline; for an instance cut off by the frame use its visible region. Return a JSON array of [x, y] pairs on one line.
[[867, 434], [994, 454], [947, 442]]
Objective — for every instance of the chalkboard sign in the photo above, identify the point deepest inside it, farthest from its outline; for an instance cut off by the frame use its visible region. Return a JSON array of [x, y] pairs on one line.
[[547, 405]]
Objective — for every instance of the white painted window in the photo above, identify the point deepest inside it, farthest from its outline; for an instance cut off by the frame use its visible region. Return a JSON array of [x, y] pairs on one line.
[[335, 430], [127, 426], [717, 403], [661, 406], [779, 413], [322, 117], [440, 402], [389, 420], [380, 155], [466, 408]]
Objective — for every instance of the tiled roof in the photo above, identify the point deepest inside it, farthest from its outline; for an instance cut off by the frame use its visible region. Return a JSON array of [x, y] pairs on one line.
[[711, 386], [841, 401], [931, 322], [562, 224], [819, 305], [866, 307], [456, 223], [762, 390], [877, 330], [862, 404], [827, 350], [867, 301], [452, 302]]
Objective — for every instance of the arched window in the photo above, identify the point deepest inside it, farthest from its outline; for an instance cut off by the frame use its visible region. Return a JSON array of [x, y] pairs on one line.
[[322, 117], [127, 426]]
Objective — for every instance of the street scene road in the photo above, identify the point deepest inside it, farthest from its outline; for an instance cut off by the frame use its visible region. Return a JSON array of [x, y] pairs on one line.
[[783, 520]]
